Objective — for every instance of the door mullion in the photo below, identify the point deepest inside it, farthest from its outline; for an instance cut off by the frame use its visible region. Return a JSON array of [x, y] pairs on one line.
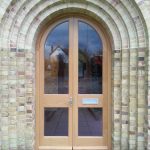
[[75, 80], [71, 44], [70, 79]]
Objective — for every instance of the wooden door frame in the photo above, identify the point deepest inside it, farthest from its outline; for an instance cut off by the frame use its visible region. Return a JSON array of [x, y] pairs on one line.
[[106, 46]]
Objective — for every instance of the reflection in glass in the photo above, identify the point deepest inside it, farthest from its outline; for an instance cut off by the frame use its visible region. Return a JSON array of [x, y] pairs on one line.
[[90, 60], [90, 122], [55, 122], [56, 60]]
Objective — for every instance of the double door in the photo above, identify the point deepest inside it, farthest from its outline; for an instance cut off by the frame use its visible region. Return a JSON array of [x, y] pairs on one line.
[[72, 84]]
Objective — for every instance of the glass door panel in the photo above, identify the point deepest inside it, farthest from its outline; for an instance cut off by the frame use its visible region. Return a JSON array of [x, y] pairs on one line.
[[90, 122], [56, 60], [56, 122], [89, 60]]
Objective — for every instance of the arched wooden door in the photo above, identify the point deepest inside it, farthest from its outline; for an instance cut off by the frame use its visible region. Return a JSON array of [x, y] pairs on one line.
[[72, 86]]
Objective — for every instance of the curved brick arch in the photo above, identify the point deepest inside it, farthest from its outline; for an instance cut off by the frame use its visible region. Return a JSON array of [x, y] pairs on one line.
[[129, 29], [35, 28], [113, 31]]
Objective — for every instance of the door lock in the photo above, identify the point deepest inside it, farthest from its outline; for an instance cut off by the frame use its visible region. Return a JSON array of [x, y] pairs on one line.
[[70, 101]]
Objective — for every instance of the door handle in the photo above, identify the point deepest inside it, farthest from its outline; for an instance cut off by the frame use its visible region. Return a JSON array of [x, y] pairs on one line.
[[70, 101]]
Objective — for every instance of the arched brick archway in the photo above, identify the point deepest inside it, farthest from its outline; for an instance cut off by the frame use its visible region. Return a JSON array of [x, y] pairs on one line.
[[129, 29]]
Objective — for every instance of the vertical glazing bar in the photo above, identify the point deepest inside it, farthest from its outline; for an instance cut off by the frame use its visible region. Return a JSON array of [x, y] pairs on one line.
[[70, 80], [75, 79]]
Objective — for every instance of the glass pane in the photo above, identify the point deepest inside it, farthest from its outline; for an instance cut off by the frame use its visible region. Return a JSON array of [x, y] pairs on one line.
[[56, 60], [56, 122], [90, 122], [90, 60]]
